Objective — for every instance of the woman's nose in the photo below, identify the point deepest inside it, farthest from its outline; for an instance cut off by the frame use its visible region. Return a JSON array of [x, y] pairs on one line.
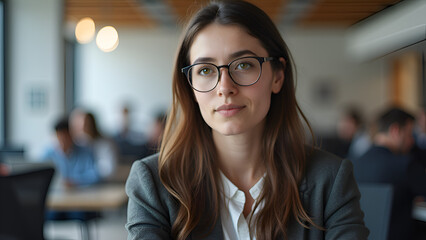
[[226, 85]]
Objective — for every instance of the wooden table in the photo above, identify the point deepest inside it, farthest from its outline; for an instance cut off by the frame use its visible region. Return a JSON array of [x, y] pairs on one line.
[[93, 198]]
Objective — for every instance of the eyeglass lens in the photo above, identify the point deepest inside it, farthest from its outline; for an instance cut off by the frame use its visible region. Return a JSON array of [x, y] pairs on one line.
[[243, 71]]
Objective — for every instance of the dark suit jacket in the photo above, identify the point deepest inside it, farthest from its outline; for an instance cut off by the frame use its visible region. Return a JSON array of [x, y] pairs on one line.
[[328, 192], [380, 165]]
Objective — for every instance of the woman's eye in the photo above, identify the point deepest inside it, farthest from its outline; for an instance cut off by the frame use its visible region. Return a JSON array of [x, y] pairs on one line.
[[243, 66], [205, 71]]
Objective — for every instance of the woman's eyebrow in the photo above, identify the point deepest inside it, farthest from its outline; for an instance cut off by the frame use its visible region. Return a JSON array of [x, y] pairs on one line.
[[242, 53], [204, 60], [232, 56]]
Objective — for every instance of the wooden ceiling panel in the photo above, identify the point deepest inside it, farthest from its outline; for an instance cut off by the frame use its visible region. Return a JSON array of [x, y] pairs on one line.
[[270, 7], [343, 13], [184, 9], [108, 12], [338, 13]]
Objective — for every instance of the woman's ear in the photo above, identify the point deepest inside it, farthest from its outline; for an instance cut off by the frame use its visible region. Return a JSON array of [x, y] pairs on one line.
[[278, 79]]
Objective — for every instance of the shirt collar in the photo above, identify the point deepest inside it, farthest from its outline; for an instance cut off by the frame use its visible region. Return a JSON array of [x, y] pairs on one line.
[[229, 189]]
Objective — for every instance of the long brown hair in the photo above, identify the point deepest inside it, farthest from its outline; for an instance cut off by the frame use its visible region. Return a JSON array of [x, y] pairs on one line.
[[187, 164]]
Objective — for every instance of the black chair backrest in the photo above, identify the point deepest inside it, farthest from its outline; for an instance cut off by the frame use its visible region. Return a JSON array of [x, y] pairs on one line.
[[22, 204], [376, 203]]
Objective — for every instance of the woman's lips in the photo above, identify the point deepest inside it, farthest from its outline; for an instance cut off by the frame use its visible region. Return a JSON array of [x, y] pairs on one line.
[[229, 110]]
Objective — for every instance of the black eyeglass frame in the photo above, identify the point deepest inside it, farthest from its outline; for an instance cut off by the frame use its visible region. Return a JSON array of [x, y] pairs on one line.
[[261, 60]]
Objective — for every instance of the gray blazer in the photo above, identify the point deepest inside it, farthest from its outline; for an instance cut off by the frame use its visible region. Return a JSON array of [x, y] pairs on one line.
[[328, 192]]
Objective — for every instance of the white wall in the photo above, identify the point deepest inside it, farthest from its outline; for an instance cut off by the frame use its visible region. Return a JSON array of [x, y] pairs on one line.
[[320, 57], [35, 65], [138, 72]]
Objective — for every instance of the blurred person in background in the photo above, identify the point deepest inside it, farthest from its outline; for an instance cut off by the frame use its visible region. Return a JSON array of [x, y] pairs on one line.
[[420, 129], [419, 150], [85, 132], [350, 140], [125, 131], [76, 124], [357, 134], [104, 149], [75, 164], [154, 140], [130, 144], [388, 162]]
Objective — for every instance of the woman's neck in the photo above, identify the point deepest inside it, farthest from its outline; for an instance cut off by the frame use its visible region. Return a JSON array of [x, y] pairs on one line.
[[240, 158]]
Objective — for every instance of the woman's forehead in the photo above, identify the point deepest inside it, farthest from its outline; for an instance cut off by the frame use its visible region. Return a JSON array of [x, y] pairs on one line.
[[221, 42]]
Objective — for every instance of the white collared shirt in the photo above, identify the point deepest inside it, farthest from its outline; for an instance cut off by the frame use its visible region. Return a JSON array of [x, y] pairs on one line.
[[234, 224]]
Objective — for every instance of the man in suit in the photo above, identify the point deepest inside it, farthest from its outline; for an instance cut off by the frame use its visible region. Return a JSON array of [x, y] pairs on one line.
[[388, 161]]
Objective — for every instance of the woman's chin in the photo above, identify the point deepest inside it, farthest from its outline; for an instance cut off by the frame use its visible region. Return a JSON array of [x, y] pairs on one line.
[[230, 131]]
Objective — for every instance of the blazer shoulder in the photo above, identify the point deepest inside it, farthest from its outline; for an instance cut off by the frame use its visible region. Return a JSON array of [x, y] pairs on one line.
[[144, 173], [318, 159], [151, 162], [323, 167]]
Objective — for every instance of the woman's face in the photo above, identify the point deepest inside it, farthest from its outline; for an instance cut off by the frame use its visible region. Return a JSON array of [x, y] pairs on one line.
[[230, 109]]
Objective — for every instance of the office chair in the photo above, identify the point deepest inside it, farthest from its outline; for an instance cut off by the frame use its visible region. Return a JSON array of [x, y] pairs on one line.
[[22, 204], [376, 203]]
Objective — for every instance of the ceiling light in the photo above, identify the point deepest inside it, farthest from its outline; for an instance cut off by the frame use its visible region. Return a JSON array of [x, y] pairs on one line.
[[107, 39], [85, 30]]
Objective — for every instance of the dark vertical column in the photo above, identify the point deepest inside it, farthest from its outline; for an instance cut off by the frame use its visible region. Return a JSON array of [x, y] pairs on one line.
[[423, 91], [3, 92], [69, 75]]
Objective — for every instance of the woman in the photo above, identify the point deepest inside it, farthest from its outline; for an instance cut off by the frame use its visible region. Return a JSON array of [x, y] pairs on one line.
[[233, 162], [85, 133]]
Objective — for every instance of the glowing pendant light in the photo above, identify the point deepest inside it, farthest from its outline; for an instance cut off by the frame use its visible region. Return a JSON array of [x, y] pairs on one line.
[[85, 30], [107, 39]]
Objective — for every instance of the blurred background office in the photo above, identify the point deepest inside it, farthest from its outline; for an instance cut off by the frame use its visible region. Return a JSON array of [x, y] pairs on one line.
[[364, 57], [363, 54]]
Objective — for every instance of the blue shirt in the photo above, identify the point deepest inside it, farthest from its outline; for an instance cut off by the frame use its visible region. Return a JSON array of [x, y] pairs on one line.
[[78, 167]]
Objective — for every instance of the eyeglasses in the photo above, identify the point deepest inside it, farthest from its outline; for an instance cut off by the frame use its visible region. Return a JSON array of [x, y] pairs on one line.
[[245, 71]]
